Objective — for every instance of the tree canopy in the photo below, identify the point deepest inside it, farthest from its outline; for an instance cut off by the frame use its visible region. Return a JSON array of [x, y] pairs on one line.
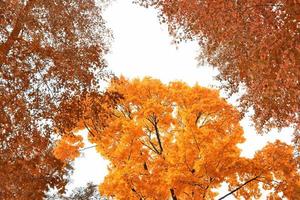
[[181, 142], [254, 44], [163, 141], [50, 51]]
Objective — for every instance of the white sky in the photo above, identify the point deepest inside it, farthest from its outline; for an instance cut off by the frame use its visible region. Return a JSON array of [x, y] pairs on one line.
[[142, 47]]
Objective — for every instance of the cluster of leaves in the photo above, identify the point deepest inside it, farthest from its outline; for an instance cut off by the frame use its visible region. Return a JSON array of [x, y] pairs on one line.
[[254, 44], [50, 51], [88, 111], [88, 192], [67, 148], [178, 141]]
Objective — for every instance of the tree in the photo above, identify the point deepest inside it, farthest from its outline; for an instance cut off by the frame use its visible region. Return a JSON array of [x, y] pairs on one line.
[[180, 142], [50, 51], [254, 44]]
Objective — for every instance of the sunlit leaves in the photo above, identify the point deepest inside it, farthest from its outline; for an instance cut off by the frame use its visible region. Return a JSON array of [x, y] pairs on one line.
[[178, 141], [67, 149]]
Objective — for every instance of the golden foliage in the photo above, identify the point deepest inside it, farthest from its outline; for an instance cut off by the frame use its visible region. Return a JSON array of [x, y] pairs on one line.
[[180, 142], [67, 148]]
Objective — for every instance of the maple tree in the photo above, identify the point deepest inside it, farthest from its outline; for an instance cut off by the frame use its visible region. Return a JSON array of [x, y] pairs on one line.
[[50, 52], [180, 142], [254, 44]]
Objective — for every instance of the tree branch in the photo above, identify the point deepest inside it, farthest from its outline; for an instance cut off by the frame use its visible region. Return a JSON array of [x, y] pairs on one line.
[[149, 139], [154, 122], [239, 187], [90, 131], [88, 147], [197, 118], [4, 48], [173, 195], [154, 150]]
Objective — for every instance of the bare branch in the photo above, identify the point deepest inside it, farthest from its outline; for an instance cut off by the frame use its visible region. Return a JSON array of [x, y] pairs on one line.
[[239, 187], [154, 150], [90, 147]]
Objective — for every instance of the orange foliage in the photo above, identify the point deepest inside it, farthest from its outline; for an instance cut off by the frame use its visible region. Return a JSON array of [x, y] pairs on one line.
[[67, 148], [180, 142], [253, 43], [50, 51]]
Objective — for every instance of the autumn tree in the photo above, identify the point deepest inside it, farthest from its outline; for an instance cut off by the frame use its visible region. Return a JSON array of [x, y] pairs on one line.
[[254, 44], [50, 51], [180, 142]]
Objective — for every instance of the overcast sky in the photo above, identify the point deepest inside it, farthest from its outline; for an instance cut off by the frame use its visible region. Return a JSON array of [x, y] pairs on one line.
[[143, 47]]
